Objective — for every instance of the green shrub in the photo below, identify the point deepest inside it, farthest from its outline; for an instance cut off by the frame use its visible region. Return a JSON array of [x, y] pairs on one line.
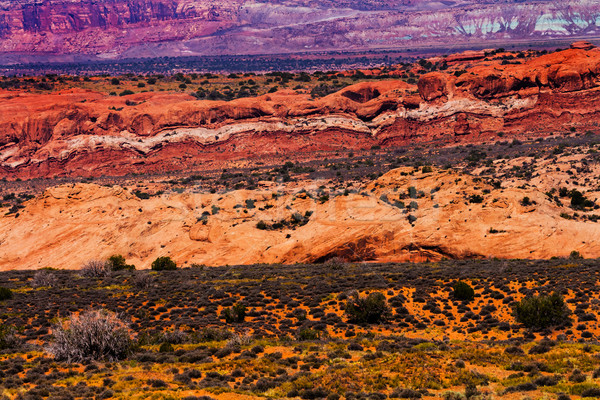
[[141, 195], [476, 199], [5, 293], [370, 309], [308, 334], [575, 255], [166, 347], [526, 201], [237, 313], [412, 192], [579, 201], [463, 291], [543, 311], [163, 264], [117, 263], [262, 225]]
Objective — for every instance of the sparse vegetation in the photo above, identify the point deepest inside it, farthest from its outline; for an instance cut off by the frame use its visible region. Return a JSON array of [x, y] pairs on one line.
[[294, 323]]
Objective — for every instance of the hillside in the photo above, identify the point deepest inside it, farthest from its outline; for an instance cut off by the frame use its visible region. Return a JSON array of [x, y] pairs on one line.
[[76, 30], [82, 132]]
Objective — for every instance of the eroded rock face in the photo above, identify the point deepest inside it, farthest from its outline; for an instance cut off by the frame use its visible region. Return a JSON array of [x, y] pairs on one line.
[[434, 85], [34, 30], [70, 224], [583, 45], [83, 133], [566, 71], [461, 127]]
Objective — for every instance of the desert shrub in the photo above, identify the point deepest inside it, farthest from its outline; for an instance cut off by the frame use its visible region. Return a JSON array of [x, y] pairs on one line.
[[370, 309], [544, 311], [402, 393], [577, 376], [308, 334], [166, 347], [43, 279], [117, 263], [541, 348], [463, 291], [157, 383], [412, 192], [210, 335], [95, 269], [476, 199], [335, 263], [453, 396], [92, 335], [522, 387], [591, 392], [547, 380], [163, 264], [8, 338], [575, 255], [143, 280], [237, 313], [579, 201], [238, 340], [514, 350], [262, 225], [5, 293], [526, 201], [175, 336], [471, 391]]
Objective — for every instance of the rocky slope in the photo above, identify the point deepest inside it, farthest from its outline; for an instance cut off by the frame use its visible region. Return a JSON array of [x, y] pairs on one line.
[[82, 133], [68, 225], [37, 30]]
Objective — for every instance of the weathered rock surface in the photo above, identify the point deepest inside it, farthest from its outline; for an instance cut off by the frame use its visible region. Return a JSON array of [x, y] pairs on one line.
[[70, 224], [82, 133], [37, 30]]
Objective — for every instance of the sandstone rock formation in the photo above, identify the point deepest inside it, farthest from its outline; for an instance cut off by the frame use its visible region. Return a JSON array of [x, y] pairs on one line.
[[71, 30], [83, 133], [70, 224]]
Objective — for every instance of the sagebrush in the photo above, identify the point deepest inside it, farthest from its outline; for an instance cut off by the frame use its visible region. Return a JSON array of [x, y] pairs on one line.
[[93, 335]]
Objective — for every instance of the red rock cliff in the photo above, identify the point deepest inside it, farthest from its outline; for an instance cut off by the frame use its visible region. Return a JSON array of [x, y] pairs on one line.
[[86, 133]]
